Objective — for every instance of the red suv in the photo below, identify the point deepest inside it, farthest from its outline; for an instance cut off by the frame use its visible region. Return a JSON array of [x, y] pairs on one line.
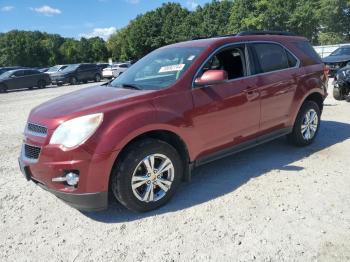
[[179, 107]]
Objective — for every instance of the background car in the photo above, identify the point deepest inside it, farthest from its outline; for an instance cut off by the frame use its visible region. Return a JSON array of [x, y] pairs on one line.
[[115, 70], [341, 90], [338, 59], [5, 69], [23, 78], [77, 73], [55, 69]]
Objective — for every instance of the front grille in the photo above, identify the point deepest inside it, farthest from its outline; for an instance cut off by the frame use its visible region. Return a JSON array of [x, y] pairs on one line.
[[36, 130], [31, 152]]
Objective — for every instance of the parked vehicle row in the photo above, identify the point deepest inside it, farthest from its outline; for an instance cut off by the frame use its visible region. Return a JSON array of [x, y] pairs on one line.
[[19, 77]]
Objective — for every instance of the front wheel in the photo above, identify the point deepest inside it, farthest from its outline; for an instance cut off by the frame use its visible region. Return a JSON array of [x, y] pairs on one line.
[[3, 88], [73, 80], [41, 84], [147, 175], [338, 93], [306, 125]]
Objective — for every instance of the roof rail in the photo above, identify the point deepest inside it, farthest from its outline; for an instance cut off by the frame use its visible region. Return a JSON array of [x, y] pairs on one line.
[[285, 33], [208, 37]]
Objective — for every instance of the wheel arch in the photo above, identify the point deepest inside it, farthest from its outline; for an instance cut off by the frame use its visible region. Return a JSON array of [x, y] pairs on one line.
[[164, 135], [313, 95]]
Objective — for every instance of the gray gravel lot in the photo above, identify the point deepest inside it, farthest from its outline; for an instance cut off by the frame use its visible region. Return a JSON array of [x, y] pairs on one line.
[[275, 202]]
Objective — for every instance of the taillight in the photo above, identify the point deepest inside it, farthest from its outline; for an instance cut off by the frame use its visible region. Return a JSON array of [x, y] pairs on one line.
[[326, 70]]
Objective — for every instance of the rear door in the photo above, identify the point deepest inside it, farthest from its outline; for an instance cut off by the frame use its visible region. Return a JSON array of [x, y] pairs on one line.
[[16, 80], [277, 76]]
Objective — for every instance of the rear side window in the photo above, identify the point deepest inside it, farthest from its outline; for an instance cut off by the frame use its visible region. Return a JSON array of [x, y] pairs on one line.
[[306, 48], [273, 57]]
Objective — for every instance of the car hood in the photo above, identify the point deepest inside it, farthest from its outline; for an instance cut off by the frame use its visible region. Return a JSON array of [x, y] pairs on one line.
[[336, 58], [86, 101]]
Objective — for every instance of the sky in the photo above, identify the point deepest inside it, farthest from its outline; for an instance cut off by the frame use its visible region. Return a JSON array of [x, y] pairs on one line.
[[77, 18]]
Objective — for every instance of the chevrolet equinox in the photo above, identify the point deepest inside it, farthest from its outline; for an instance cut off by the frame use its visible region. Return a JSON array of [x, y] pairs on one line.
[[179, 107]]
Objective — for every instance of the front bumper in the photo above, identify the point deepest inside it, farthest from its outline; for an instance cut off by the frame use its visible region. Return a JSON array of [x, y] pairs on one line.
[[83, 202], [59, 80], [91, 193]]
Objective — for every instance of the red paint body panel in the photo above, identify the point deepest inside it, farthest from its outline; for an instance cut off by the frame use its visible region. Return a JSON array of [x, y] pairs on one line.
[[207, 119]]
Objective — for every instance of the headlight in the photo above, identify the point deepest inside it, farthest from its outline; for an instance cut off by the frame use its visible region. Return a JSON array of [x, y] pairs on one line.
[[76, 131]]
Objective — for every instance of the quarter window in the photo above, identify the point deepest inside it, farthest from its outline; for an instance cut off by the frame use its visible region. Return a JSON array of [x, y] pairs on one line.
[[272, 57]]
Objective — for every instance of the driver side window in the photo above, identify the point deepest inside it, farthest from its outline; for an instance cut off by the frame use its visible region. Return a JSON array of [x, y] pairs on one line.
[[232, 60]]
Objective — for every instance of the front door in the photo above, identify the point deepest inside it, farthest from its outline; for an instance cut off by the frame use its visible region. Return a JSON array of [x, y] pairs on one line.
[[227, 113]]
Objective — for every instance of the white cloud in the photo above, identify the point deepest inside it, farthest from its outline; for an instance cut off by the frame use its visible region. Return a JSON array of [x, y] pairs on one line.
[[7, 8], [100, 32], [134, 2], [47, 10], [192, 4]]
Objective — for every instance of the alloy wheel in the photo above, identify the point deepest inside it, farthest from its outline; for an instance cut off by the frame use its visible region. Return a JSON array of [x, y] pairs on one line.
[[309, 124], [152, 178]]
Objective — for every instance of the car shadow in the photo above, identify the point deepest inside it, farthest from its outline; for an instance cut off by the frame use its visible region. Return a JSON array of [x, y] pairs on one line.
[[223, 176]]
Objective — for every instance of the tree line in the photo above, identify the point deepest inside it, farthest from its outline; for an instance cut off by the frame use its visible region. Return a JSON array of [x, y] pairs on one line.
[[321, 21]]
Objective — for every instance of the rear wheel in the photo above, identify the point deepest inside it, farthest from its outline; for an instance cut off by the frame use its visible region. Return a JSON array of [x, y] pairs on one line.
[[41, 84], [73, 80], [306, 125], [147, 175], [97, 78]]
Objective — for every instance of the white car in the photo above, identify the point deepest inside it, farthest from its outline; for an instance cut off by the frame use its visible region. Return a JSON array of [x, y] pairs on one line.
[[55, 69], [115, 70]]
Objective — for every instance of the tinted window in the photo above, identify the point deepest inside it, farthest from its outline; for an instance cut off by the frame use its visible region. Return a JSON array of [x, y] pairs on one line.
[[309, 51], [292, 61], [271, 57], [123, 66], [19, 73]]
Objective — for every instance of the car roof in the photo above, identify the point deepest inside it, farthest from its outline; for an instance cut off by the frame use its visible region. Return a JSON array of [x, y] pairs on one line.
[[207, 42]]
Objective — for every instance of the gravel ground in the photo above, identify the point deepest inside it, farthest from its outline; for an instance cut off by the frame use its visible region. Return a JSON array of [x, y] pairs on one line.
[[271, 203]]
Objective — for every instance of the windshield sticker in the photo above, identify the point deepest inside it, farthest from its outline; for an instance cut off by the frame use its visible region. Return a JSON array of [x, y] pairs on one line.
[[171, 68], [191, 58]]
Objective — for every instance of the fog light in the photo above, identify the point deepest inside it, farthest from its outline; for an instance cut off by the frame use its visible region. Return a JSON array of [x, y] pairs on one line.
[[71, 179]]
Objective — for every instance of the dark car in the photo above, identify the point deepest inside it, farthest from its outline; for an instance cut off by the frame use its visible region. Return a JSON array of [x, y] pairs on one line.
[[102, 66], [341, 90], [338, 59], [77, 73], [177, 108], [23, 78], [9, 68]]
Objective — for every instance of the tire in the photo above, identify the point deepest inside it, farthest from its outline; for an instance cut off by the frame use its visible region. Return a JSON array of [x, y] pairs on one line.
[[59, 84], [3, 88], [338, 94], [85, 81], [131, 168], [97, 78], [303, 138], [41, 84], [73, 81]]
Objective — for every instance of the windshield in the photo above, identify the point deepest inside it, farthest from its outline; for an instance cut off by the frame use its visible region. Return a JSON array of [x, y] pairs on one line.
[[53, 69], [160, 69], [342, 51], [70, 68], [6, 74]]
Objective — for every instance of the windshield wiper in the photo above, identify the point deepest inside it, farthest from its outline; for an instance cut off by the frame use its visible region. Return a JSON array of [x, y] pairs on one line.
[[130, 86]]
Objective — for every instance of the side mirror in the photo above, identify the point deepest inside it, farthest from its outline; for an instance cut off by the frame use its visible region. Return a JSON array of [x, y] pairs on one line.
[[211, 77]]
